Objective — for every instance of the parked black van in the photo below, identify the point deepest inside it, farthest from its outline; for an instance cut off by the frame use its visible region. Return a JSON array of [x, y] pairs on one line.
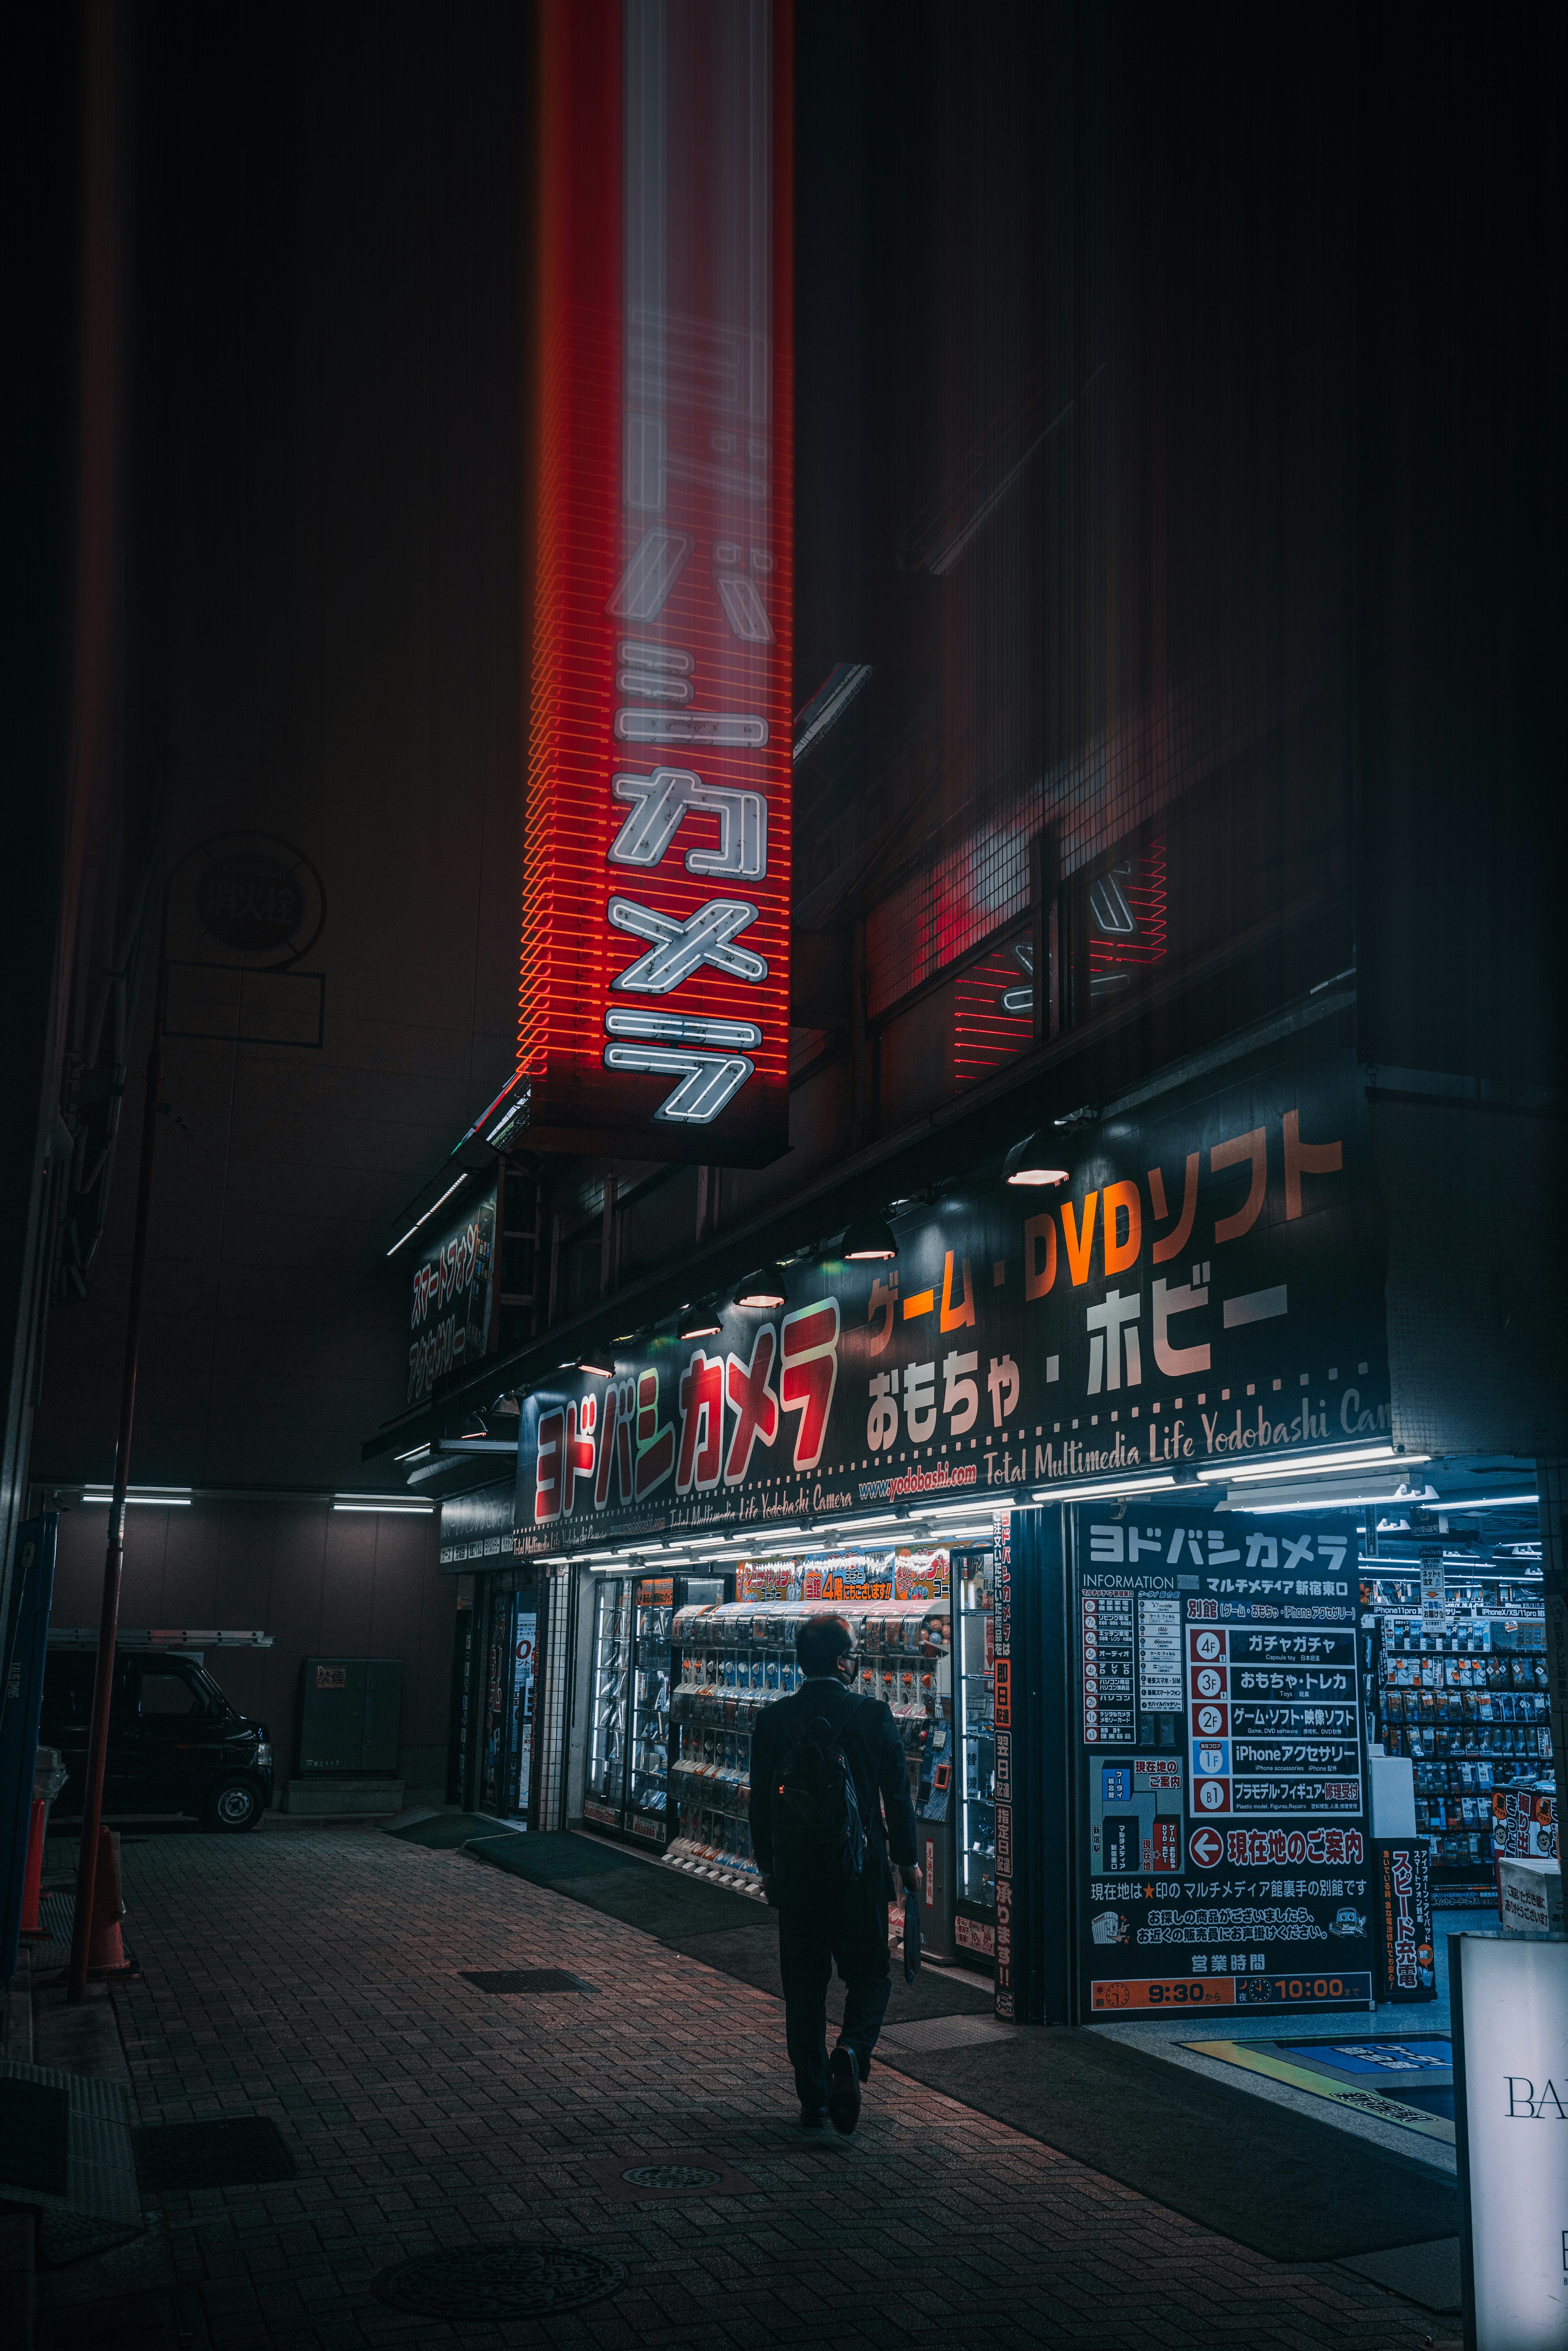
[[175, 1743]]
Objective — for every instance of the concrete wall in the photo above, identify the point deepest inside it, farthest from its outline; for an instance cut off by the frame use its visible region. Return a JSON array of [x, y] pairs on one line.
[[321, 1581]]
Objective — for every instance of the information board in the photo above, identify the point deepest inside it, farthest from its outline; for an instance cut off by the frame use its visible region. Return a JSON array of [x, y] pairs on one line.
[[1224, 1858]]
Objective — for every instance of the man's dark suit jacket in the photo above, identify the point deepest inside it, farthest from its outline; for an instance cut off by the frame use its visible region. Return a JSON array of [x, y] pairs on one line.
[[873, 1752]]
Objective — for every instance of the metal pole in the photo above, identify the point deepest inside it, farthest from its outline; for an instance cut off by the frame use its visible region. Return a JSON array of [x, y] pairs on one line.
[[114, 1550]]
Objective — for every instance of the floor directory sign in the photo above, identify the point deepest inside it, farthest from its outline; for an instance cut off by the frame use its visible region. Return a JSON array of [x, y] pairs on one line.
[[1224, 1858]]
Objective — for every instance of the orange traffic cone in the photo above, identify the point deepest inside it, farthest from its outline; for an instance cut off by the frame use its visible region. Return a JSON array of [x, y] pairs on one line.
[[106, 1951], [32, 1878]]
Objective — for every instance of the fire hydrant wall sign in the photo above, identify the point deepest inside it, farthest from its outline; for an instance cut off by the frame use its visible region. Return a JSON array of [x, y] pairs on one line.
[[655, 981], [1204, 1294]]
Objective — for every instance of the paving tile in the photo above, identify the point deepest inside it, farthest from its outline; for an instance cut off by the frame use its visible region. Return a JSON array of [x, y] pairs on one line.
[[317, 1980]]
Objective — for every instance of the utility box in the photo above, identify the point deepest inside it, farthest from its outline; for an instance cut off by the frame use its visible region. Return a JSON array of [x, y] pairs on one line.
[[350, 1716]]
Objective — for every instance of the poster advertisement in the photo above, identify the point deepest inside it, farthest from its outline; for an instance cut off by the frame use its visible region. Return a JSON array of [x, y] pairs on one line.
[[1205, 1290], [1225, 1860], [1406, 1967], [849, 1577]]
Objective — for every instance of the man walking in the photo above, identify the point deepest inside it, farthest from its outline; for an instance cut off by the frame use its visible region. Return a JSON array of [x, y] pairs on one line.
[[826, 1765]]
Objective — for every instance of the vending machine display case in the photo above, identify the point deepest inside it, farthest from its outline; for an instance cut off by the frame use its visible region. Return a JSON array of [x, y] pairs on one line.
[[973, 1683], [626, 1789], [732, 1660]]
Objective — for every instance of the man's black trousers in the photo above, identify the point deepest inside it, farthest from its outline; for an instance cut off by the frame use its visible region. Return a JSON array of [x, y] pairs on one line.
[[850, 1935]]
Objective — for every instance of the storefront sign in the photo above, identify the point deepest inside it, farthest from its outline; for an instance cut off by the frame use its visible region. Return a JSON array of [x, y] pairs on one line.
[[1205, 1291], [452, 1319], [1510, 2109], [1224, 1847], [654, 1005]]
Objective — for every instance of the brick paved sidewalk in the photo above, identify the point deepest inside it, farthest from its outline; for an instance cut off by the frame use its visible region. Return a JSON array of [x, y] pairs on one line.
[[316, 1979]]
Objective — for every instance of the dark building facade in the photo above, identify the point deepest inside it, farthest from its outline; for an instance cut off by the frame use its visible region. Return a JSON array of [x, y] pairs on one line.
[[1175, 517], [1170, 573]]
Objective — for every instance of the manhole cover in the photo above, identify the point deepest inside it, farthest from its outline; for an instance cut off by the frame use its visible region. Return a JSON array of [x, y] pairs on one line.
[[671, 2174], [523, 1979], [499, 2282]]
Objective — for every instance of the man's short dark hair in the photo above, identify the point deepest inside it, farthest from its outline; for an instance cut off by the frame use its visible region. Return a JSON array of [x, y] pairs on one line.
[[821, 1641]]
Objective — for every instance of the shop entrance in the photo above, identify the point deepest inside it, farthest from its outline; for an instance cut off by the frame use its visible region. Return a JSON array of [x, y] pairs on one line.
[[508, 1650]]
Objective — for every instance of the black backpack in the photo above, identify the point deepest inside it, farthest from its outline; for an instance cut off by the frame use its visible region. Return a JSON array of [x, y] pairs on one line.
[[819, 1837]]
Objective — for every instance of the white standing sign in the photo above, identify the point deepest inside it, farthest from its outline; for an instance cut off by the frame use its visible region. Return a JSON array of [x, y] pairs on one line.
[[1511, 2036]]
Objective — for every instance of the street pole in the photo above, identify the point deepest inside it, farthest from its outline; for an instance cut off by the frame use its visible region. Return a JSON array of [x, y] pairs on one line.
[[114, 1551]]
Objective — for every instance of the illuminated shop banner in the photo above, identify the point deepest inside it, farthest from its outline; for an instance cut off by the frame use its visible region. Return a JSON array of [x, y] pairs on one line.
[[452, 1318], [890, 1574], [654, 983], [1206, 1292], [1224, 1854]]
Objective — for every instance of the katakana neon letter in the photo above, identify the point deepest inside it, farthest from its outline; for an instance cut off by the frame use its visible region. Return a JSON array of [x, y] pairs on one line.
[[702, 1423], [753, 1402], [809, 1374]]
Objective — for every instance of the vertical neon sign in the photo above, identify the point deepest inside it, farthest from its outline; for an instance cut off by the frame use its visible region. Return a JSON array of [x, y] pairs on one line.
[[654, 977]]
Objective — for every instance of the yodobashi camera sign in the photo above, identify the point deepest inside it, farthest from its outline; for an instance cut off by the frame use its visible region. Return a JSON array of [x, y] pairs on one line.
[[1510, 2038]]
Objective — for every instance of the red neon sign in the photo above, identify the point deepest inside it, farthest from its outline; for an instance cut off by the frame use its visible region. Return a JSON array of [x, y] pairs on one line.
[[654, 978]]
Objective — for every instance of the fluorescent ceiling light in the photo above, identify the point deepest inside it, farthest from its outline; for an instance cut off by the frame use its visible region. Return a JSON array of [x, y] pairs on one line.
[[395, 1505], [175, 1498], [1104, 1490], [1316, 1465], [949, 1510], [1300, 1502], [1460, 1503], [428, 1214], [413, 1452]]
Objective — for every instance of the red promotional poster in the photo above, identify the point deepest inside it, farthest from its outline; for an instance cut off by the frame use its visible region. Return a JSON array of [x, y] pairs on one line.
[[655, 974], [1407, 1969]]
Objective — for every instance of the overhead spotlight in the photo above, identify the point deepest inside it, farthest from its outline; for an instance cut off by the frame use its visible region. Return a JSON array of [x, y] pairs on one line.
[[602, 1368], [869, 1238], [700, 1321], [765, 1289], [1033, 1161]]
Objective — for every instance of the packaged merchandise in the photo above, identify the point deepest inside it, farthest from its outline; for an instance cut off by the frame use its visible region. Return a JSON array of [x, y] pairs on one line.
[[737, 1657]]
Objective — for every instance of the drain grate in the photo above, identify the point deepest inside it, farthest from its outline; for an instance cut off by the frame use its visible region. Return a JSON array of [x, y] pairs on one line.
[[671, 2174], [523, 1979], [243, 2151], [34, 2136], [499, 2282], [660, 2176]]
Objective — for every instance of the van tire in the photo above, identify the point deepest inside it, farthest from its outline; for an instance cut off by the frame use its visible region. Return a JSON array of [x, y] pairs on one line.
[[233, 1805]]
